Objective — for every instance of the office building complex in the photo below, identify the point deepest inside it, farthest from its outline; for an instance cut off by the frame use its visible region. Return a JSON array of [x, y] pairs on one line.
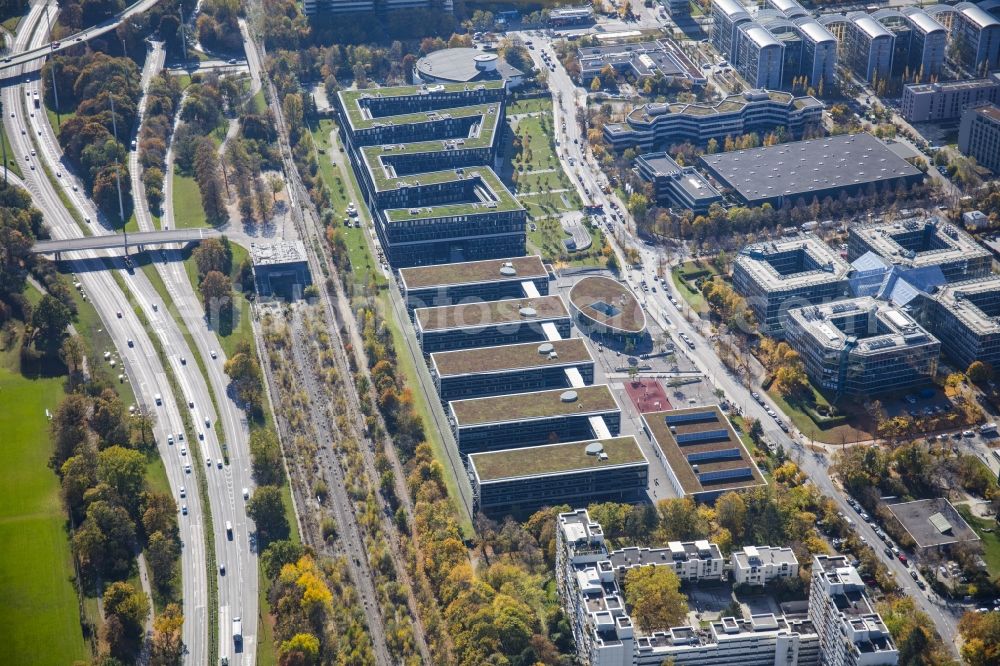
[[819, 53], [489, 280], [816, 168], [676, 186], [977, 35], [639, 61], [928, 102], [521, 481], [589, 580], [603, 307], [280, 268], [868, 47], [727, 16], [860, 347], [701, 452], [979, 134], [423, 156], [486, 323], [569, 16], [530, 419], [790, 272], [919, 42], [918, 243], [965, 316], [851, 632], [313, 7], [482, 371], [760, 565], [658, 126], [759, 56]]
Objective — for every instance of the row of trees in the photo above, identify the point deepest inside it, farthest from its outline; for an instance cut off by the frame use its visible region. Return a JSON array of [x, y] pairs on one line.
[[195, 152], [100, 455], [786, 367], [162, 100], [214, 261], [89, 84]]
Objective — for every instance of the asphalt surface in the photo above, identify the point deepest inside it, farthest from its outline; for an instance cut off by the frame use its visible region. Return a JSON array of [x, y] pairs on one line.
[[140, 361], [107, 241], [568, 99]]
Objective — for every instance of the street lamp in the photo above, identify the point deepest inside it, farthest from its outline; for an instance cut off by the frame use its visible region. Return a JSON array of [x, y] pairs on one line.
[[52, 70], [118, 177]]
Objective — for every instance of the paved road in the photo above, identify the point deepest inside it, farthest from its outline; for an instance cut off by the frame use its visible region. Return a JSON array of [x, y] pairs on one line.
[[40, 49], [140, 361], [104, 241], [585, 174]]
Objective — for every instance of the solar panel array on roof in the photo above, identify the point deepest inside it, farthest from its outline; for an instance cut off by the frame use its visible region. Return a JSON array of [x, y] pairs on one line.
[[718, 476], [690, 417], [713, 456], [688, 438]]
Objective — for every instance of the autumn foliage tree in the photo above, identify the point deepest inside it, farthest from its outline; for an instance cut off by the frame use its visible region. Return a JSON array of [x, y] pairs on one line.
[[654, 597]]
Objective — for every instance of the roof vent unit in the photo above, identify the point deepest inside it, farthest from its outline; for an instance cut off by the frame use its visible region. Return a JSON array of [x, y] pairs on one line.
[[528, 312], [595, 449], [507, 269], [569, 396], [545, 348]]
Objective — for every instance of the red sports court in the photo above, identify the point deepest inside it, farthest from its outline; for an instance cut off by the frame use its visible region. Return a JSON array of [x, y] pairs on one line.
[[647, 395]]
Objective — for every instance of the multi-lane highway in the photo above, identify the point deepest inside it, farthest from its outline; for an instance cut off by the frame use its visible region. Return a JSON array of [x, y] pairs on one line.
[[147, 375], [35, 145]]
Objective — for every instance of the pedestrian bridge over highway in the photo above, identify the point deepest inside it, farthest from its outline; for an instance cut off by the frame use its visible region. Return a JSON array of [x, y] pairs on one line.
[[139, 241]]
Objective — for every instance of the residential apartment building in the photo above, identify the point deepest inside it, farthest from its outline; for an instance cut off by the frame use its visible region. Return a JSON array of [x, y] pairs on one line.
[[965, 316], [860, 347], [521, 481], [516, 368], [928, 102], [490, 323], [677, 186], [727, 16], [656, 126], [759, 57], [851, 632], [760, 565], [790, 272], [920, 243], [692, 561], [868, 47], [489, 280], [590, 587], [530, 419], [979, 134]]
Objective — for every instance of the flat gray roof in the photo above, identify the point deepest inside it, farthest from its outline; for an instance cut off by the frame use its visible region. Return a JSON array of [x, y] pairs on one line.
[[949, 242], [959, 299], [826, 265], [933, 522], [898, 329], [796, 169], [277, 253]]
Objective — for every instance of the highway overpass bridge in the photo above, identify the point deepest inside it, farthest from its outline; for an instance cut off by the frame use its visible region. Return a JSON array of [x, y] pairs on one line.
[[139, 241]]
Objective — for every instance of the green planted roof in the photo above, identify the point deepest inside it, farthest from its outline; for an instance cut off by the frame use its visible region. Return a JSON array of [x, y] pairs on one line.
[[589, 400], [555, 458]]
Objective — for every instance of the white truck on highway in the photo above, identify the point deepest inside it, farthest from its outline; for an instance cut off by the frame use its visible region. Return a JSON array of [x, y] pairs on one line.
[[237, 630]]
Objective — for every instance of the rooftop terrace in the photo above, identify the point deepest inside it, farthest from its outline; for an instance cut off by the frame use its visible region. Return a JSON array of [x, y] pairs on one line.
[[556, 458], [490, 313], [494, 198], [510, 357], [539, 405]]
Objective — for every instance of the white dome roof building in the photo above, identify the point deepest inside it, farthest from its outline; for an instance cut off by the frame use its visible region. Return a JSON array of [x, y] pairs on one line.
[[466, 65]]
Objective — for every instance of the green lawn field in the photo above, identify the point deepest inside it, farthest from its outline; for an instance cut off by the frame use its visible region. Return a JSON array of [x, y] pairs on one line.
[[188, 213], [39, 617]]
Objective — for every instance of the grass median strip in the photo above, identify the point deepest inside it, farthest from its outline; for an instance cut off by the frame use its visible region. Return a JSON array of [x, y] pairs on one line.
[[206, 507]]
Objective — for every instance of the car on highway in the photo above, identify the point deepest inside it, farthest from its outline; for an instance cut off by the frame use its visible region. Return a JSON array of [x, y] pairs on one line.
[[180, 437], [187, 469], [208, 460], [130, 343], [222, 568], [184, 451], [246, 493], [208, 422], [201, 435], [184, 360], [158, 398], [183, 492], [119, 313], [184, 509], [218, 463], [170, 439], [213, 354]]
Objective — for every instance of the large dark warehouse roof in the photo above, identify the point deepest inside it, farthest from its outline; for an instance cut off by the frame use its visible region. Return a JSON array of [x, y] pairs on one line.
[[806, 168]]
